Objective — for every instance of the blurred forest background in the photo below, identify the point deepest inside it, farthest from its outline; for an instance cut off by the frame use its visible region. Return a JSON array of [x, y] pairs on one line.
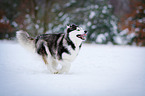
[[107, 21]]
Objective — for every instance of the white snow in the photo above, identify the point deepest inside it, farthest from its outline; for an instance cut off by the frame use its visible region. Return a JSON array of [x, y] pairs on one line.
[[60, 14], [14, 24], [89, 23], [99, 70], [100, 38], [36, 26], [94, 26], [96, 6], [118, 40], [124, 32], [104, 9], [92, 14]]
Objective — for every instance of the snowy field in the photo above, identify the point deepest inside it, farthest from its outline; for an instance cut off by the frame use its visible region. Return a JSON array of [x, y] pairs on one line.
[[99, 70]]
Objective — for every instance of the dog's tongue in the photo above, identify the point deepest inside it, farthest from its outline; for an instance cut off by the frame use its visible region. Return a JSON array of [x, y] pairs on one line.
[[83, 36]]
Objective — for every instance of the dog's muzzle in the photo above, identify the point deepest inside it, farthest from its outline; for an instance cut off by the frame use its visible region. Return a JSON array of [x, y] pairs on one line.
[[82, 36]]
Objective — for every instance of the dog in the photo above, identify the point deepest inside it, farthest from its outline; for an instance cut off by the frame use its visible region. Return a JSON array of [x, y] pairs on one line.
[[55, 49]]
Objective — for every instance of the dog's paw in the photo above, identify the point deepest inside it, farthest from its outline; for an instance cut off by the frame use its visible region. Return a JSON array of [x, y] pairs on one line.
[[55, 72]]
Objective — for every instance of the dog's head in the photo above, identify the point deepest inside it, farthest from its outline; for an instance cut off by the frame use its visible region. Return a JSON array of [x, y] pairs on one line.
[[76, 33]]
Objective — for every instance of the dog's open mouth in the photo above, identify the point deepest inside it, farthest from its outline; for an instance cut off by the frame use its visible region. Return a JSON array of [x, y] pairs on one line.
[[82, 36]]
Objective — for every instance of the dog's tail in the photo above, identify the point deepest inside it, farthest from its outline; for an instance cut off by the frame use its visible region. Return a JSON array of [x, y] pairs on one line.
[[25, 40]]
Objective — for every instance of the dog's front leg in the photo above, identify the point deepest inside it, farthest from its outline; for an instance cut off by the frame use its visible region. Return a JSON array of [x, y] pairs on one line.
[[49, 65], [65, 68]]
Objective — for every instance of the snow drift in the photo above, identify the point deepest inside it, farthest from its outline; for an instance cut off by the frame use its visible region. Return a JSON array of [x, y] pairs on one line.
[[97, 71]]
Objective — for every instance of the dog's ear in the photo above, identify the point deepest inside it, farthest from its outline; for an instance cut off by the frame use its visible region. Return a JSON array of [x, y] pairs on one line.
[[74, 27], [71, 28], [68, 26]]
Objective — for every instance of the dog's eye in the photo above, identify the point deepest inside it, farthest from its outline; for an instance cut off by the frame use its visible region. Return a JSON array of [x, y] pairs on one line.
[[78, 30]]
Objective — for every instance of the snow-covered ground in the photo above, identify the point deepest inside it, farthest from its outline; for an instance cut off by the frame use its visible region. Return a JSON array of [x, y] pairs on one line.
[[99, 70]]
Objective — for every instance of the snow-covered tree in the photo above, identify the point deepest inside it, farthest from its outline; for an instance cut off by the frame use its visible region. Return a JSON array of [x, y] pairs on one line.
[[134, 22], [95, 16], [101, 23], [8, 14], [52, 16]]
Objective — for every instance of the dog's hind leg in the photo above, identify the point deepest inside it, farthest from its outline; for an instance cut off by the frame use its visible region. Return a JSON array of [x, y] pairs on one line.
[[50, 65], [44, 59], [55, 64], [42, 50], [51, 68]]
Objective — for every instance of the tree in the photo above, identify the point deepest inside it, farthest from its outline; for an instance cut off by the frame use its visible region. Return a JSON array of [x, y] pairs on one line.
[[8, 14], [41, 16], [95, 16], [101, 23], [49, 16], [135, 21]]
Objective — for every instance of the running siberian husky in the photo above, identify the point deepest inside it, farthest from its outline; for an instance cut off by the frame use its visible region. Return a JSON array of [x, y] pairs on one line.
[[55, 49]]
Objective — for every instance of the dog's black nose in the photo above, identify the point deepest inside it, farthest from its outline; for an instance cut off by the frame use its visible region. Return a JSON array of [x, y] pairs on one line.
[[85, 31]]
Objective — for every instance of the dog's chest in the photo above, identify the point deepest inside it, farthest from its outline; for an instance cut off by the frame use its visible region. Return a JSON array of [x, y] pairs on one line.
[[72, 54]]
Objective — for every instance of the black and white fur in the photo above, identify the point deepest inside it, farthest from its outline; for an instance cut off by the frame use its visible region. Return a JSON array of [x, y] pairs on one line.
[[55, 49]]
